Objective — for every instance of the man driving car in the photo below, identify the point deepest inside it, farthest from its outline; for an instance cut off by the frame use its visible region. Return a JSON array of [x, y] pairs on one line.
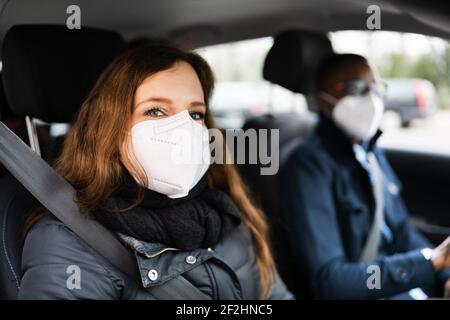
[[341, 200]]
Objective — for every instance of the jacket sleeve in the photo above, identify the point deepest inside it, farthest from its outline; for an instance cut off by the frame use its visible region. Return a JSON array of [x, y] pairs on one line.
[[411, 238], [57, 265], [415, 240], [309, 212], [280, 291]]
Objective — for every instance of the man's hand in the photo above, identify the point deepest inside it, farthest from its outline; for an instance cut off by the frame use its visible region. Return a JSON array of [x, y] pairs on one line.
[[441, 256]]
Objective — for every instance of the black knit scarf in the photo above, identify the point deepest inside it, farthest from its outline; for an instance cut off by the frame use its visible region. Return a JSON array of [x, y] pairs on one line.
[[198, 220]]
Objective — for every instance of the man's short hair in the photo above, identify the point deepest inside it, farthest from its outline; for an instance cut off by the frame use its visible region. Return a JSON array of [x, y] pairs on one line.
[[335, 65]]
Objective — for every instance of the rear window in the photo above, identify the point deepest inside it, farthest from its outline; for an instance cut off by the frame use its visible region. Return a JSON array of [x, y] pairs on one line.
[[415, 67], [241, 92]]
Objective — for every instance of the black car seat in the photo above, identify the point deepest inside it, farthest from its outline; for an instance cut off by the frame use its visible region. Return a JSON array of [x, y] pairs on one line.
[[47, 72], [14, 123], [292, 62]]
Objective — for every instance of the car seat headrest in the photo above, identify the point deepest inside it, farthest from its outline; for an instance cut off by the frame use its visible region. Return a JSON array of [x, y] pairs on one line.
[[48, 70], [294, 58]]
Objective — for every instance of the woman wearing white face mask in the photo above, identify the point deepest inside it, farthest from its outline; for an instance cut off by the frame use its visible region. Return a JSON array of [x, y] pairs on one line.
[[139, 159]]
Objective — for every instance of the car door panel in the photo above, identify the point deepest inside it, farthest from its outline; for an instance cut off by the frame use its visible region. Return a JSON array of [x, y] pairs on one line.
[[426, 189]]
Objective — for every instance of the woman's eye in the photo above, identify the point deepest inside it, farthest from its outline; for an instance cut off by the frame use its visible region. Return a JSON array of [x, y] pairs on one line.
[[197, 115], [154, 112]]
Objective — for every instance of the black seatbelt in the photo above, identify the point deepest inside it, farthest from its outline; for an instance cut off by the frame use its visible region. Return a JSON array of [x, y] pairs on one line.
[[57, 195]]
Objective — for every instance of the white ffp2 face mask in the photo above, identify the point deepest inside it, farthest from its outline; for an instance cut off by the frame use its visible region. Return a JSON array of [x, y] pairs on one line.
[[174, 153], [358, 116]]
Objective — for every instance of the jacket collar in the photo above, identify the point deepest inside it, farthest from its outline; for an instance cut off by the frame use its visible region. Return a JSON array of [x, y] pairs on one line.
[[337, 142], [170, 262], [158, 263]]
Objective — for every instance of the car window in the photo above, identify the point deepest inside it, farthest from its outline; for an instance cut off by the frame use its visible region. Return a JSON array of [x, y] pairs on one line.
[[416, 69], [241, 91]]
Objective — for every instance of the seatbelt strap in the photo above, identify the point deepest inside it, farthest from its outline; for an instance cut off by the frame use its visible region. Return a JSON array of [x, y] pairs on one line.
[[57, 195], [372, 245]]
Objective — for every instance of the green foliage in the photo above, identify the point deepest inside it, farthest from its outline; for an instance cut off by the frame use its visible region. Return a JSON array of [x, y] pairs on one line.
[[433, 67]]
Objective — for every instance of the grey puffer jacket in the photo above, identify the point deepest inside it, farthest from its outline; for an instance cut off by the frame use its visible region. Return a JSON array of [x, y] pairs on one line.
[[57, 264]]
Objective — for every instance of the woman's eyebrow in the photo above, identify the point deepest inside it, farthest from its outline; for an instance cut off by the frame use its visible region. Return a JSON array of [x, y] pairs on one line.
[[198, 104], [168, 101], [155, 99]]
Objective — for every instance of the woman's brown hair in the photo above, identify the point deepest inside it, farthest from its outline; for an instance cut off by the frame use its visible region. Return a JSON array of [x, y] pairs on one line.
[[92, 154]]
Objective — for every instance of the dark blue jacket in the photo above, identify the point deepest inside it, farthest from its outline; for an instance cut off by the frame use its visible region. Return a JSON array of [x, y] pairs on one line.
[[328, 206]]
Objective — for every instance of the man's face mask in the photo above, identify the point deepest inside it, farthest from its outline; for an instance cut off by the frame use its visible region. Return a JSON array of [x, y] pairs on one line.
[[360, 111]]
